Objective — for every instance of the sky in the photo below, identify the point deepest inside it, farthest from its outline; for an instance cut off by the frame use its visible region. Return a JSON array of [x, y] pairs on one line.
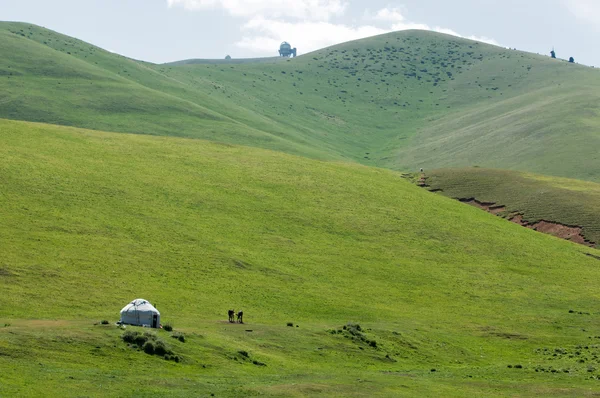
[[170, 30]]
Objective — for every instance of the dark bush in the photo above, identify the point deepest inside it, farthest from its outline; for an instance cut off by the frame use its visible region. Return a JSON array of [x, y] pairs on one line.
[[257, 363], [149, 347], [373, 343], [141, 339], [179, 336], [244, 353], [129, 336], [168, 327], [160, 348]]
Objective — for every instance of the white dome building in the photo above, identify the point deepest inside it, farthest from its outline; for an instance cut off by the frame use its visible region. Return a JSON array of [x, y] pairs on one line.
[[140, 313]]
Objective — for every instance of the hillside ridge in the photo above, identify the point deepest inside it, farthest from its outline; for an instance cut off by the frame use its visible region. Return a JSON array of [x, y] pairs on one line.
[[402, 100], [565, 208]]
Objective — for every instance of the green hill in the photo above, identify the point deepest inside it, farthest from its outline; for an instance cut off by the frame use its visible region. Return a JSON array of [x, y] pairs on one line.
[[451, 301], [535, 197], [403, 100]]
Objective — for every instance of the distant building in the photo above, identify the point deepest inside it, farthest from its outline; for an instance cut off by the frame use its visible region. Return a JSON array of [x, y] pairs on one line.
[[286, 50]]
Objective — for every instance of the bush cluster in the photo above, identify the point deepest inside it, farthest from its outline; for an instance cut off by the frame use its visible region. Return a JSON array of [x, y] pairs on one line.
[[356, 333], [179, 336], [149, 343]]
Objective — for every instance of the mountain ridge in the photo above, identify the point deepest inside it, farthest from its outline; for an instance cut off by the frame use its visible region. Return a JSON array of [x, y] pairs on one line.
[[393, 101]]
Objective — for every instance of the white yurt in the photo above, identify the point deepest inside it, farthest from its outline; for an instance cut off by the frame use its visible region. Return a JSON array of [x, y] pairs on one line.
[[140, 313]]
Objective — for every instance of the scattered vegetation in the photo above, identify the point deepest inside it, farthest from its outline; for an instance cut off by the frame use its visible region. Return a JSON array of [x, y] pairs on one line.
[[149, 343], [354, 332]]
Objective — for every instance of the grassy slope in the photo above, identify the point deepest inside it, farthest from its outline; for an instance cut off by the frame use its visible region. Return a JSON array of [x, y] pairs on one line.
[[404, 100], [92, 220], [566, 201], [57, 79]]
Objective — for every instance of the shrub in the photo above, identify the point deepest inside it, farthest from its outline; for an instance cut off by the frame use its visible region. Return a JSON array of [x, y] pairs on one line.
[[179, 336], [373, 343], [149, 347], [168, 327], [129, 336], [141, 339], [160, 348], [244, 353]]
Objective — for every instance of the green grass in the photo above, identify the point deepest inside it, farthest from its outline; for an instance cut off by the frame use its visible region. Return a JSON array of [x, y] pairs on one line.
[[565, 201], [403, 100], [92, 220]]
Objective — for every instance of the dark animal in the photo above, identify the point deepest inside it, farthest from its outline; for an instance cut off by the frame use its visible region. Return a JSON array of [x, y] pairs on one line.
[[240, 316], [231, 314], [572, 60]]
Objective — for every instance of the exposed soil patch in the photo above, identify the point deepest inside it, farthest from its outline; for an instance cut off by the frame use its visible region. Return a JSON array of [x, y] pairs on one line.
[[422, 182], [574, 234], [567, 232], [487, 206]]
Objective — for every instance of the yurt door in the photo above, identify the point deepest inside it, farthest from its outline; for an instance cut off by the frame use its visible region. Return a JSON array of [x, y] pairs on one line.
[[154, 321]]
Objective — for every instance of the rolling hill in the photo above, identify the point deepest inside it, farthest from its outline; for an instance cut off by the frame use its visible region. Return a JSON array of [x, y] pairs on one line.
[[451, 301], [403, 100]]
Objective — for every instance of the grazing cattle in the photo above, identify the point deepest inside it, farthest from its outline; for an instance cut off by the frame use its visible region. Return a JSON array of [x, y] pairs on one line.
[[240, 316], [231, 314]]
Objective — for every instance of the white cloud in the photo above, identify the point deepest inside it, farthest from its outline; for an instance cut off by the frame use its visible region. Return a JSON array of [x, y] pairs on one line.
[[315, 10], [263, 35], [587, 10], [389, 14], [306, 23]]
